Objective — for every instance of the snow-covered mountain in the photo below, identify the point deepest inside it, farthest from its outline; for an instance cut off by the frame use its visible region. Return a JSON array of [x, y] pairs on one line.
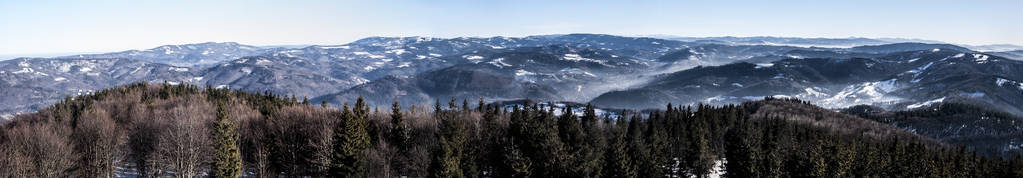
[[794, 41], [615, 71], [898, 80], [187, 55], [28, 84]]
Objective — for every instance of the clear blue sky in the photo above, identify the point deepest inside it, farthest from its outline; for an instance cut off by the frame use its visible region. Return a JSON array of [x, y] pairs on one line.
[[44, 26]]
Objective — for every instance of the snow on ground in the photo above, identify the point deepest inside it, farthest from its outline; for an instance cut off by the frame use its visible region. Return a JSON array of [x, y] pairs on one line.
[[916, 72], [247, 70], [812, 92], [764, 65], [178, 69], [918, 105], [718, 170], [736, 84], [577, 71], [779, 76], [363, 53], [578, 111], [973, 94], [335, 47], [521, 72], [499, 62], [980, 58], [864, 93], [576, 57], [1001, 82], [262, 62], [473, 57], [23, 70], [397, 51]]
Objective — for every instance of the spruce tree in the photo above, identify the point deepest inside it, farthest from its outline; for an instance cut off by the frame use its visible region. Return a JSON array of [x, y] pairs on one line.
[[400, 137], [447, 157], [401, 134], [596, 141], [637, 147], [350, 139], [451, 105], [741, 152], [617, 162], [699, 157], [480, 106], [575, 145], [658, 163], [817, 162], [227, 161]]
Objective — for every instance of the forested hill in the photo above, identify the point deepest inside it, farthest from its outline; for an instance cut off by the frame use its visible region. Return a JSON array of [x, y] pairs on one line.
[[983, 129], [184, 130]]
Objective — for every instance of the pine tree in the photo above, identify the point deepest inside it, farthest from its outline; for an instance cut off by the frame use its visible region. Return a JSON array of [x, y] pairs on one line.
[[350, 139], [227, 161]]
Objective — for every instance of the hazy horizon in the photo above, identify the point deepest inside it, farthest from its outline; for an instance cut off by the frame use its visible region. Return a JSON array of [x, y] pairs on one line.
[[49, 27]]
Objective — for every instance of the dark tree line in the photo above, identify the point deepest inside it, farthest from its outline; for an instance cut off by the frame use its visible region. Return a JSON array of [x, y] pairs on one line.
[[185, 131]]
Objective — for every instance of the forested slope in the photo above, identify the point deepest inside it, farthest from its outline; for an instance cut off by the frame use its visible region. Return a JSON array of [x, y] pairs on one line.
[[183, 130]]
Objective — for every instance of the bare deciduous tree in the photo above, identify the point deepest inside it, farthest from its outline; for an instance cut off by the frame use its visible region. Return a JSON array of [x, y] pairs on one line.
[[185, 143]]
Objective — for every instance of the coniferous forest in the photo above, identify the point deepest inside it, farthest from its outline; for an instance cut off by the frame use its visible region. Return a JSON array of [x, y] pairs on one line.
[[165, 130]]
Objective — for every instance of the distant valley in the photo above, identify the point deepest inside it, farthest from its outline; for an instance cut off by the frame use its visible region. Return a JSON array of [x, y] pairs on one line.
[[607, 70]]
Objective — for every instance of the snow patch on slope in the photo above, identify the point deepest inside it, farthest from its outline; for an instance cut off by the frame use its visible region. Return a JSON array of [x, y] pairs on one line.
[[178, 69], [980, 58], [576, 57], [1001, 83], [864, 93], [499, 62], [918, 105], [916, 72]]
